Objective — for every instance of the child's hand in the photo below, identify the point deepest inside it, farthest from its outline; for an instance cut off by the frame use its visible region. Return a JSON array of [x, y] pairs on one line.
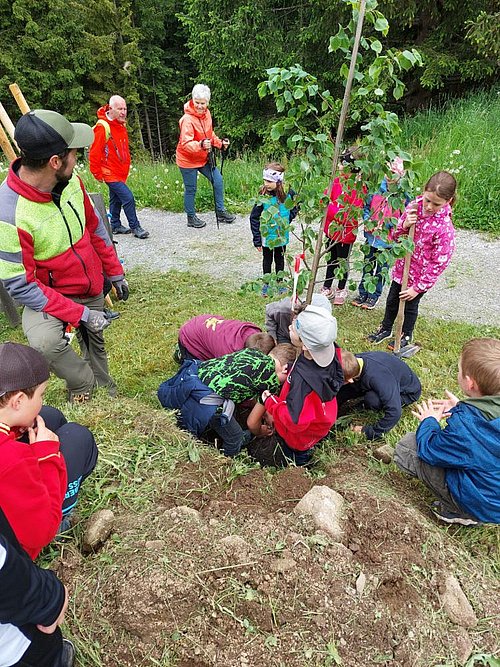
[[408, 294], [357, 428], [265, 430], [428, 409], [265, 395], [447, 403], [40, 432], [411, 217], [258, 248]]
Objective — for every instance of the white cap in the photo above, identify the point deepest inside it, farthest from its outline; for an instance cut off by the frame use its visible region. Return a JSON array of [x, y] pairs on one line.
[[317, 330]]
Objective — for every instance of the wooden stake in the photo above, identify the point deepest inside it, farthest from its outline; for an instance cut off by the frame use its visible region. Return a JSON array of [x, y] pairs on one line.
[[19, 97], [338, 143], [398, 330], [7, 123], [6, 146]]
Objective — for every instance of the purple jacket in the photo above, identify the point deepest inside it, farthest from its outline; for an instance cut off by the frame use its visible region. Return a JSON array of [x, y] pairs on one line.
[[210, 336]]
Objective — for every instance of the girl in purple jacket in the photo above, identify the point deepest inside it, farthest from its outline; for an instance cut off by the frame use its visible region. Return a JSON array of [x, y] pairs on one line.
[[434, 243]]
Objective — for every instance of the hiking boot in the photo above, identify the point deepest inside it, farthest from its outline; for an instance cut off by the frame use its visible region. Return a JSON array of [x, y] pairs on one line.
[[358, 301], [340, 297], [120, 229], [379, 335], [140, 233], [110, 314], [68, 654], [370, 302], [195, 221], [451, 517], [79, 397], [405, 340], [225, 216]]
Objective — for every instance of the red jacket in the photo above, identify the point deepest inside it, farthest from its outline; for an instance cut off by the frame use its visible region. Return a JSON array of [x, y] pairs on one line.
[[57, 250], [109, 157], [195, 127], [317, 415], [344, 210], [33, 483]]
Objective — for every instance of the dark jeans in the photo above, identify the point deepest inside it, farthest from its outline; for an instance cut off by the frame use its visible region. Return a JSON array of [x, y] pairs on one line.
[[232, 435], [373, 266], [371, 400], [278, 254], [337, 251], [120, 196], [392, 306], [273, 451], [434, 478], [44, 651], [190, 178], [78, 448]]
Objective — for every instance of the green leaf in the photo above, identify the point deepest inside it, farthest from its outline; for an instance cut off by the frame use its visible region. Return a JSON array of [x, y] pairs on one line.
[[381, 25], [376, 46]]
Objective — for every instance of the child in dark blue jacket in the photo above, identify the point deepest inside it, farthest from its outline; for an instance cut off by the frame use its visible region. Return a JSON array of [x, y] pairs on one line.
[[383, 382], [460, 463]]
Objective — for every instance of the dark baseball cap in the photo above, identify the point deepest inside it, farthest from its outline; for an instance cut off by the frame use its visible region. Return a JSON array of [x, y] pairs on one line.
[[42, 133], [21, 367]]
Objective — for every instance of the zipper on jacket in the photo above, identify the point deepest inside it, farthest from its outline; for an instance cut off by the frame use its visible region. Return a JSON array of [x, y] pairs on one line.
[[77, 255]]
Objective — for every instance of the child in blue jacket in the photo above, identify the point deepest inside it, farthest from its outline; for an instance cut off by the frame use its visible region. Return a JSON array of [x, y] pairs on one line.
[[271, 237], [460, 463]]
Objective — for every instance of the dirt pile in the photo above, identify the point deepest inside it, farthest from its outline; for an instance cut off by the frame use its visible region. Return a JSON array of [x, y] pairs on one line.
[[222, 572]]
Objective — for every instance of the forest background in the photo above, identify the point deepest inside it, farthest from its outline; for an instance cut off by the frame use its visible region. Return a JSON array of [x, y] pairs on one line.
[[70, 55]]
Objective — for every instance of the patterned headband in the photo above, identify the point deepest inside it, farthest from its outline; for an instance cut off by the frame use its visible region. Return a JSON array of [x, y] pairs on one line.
[[273, 175]]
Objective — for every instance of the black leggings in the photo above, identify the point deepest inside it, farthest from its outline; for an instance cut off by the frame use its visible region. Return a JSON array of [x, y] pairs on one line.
[[337, 251], [279, 258], [392, 307]]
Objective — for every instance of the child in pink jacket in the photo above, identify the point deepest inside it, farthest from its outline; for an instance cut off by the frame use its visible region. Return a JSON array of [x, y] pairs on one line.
[[434, 244]]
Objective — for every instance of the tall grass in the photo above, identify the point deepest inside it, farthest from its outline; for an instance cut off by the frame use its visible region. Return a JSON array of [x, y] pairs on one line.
[[463, 136]]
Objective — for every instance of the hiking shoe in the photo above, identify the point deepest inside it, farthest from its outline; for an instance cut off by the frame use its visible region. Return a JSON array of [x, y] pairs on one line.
[[379, 335], [79, 397], [370, 302], [225, 216], [140, 233], [451, 517], [120, 229], [66, 523], [358, 301], [110, 314], [264, 291], [340, 297], [405, 340], [328, 292], [68, 654], [195, 221], [283, 290]]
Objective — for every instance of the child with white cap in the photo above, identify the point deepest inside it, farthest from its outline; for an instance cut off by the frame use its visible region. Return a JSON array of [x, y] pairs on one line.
[[306, 407]]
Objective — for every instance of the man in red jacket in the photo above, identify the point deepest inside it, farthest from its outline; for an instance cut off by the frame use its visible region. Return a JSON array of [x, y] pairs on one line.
[[54, 250], [110, 162]]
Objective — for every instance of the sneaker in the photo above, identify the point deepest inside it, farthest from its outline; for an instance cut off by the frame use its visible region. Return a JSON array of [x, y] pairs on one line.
[[225, 216], [195, 221], [283, 290], [326, 291], [405, 340], [68, 654], [450, 517], [370, 302], [79, 397], [379, 335], [140, 233], [358, 301], [264, 291], [110, 314], [65, 524], [120, 229], [340, 297]]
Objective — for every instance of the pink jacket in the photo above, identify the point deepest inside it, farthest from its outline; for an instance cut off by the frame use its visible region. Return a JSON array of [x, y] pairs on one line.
[[434, 246]]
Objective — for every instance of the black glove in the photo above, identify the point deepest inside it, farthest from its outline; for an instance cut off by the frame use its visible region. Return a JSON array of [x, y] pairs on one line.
[[97, 321], [121, 287]]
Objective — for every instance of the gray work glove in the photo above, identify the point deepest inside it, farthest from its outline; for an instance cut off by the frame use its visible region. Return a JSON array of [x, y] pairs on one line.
[[96, 321], [121, 287]]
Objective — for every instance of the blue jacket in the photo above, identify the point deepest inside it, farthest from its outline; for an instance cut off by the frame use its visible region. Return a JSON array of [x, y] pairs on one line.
[[183, 392], [468, 448], [276, 234]]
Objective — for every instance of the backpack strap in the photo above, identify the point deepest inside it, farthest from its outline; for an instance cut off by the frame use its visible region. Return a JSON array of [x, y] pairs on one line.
[[105, 125]]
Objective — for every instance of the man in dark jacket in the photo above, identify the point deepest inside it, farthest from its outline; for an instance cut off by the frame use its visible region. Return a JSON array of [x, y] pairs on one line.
[[32, 607], [54, 250], [382, 382]]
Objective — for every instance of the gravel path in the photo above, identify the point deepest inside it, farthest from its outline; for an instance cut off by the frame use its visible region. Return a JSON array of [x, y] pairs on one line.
[[468, 291]]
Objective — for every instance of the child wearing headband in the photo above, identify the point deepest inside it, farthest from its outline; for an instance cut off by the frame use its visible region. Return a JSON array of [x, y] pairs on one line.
[[271, 234]]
